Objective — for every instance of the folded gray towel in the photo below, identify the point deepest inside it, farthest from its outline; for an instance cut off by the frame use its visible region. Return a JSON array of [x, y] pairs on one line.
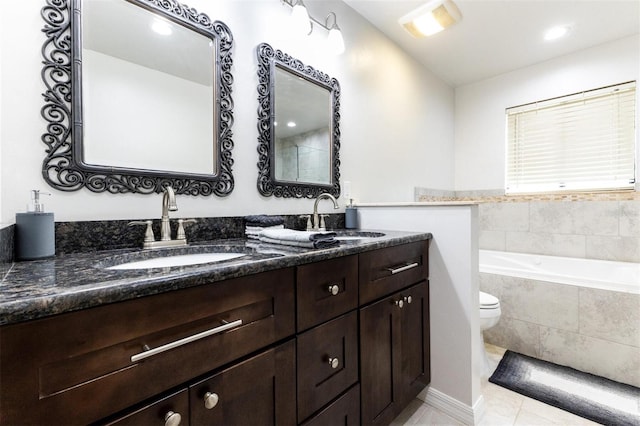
[[263, 220], [318, 244]]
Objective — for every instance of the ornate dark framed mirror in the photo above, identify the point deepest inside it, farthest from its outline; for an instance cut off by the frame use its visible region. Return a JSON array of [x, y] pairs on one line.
[[138, 97], [299, 127]]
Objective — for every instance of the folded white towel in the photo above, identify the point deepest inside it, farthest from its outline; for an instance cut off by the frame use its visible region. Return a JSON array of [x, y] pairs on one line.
[[253, 232], [307, 239]]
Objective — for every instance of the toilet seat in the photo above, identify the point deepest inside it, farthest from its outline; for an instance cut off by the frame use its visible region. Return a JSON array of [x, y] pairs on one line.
[[488, 301]]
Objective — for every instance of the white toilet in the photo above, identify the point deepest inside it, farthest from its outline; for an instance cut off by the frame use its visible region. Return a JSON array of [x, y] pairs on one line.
[[489, 316]]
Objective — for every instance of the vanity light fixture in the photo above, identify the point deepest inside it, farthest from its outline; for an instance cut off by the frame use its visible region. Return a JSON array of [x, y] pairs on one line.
[[431, 18], [291, 124], [304, 22]]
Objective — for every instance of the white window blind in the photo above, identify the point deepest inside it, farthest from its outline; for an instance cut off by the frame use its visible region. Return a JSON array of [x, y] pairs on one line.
[[584, 141]]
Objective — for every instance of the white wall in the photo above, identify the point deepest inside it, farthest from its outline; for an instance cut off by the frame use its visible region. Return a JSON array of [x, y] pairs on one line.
[[396, 117], [480, 107]]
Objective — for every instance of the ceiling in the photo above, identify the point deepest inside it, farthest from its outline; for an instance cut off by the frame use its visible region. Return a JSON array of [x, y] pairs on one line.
[[498, 36]]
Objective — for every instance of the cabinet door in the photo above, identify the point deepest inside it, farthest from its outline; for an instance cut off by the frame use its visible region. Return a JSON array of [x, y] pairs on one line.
[[395, 360], [258, 391], [415, 341], [380, 343]]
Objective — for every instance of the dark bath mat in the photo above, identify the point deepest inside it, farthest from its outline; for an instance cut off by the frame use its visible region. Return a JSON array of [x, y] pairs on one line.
[[586, 395]]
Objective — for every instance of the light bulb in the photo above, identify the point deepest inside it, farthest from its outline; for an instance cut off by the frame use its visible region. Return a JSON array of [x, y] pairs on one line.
[[336, 42], [301, 18]]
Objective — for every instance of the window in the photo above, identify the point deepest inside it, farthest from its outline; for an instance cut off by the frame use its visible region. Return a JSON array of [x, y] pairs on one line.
[[579, 142]]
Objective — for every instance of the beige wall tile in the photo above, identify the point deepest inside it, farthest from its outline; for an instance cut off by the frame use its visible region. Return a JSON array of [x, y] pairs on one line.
[[492, 240], [597, 356], [576, 217], [622, 249], [630, 218], [539, 302], [515, 335], [504, 216], [548, 244], [610, 315]]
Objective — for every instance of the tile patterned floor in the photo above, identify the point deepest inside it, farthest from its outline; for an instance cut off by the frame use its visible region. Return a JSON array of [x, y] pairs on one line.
[[502, 408]]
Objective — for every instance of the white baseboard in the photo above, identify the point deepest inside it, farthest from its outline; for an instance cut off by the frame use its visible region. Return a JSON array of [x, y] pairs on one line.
[[462, 412]]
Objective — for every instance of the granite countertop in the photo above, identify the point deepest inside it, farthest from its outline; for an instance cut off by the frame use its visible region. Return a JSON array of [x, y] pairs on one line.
[[36, 289]]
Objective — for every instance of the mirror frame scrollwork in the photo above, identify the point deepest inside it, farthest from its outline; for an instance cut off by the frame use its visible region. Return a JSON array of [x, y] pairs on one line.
[[268, 185], [63, 167]]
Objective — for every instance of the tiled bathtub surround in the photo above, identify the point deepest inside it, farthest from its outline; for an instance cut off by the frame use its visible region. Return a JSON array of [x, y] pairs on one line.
[[592, 330], [608, 230], [586, 225]]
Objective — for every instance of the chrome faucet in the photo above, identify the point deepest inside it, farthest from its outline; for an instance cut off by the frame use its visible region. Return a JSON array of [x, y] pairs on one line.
[[318, 224], [168, 205]]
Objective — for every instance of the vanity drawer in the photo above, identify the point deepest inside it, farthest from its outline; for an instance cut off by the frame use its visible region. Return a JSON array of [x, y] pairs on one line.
[[343, 411], [258, 391], [326, 290], [83, 366], [327, 363], [167, 409], [387, 270]]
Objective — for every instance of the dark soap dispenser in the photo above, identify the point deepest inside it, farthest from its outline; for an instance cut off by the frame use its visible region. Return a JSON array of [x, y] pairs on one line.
[[35, 231]]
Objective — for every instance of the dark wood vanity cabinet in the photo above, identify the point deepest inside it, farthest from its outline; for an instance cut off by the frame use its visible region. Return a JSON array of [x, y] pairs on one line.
[[394, 335], [340, 341], [83, 366]]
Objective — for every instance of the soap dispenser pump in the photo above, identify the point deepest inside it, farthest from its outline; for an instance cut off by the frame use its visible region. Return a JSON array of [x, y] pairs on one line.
[[35, 231], [351, 216]]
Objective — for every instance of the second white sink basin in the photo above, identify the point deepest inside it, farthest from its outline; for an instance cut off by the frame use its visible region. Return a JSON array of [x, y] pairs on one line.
[[179, 260]]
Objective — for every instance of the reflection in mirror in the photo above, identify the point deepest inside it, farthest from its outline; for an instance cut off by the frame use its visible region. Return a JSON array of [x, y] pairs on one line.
[[302, 129], [298, 120], [154, 78], [141, 98]]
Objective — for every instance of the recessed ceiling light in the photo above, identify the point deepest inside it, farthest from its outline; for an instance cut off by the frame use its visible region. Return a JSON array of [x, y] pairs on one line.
[[431, 18], [555, 33]]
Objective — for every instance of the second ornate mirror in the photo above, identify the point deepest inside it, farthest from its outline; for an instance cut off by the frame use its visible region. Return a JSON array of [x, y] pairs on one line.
[[299, 125]]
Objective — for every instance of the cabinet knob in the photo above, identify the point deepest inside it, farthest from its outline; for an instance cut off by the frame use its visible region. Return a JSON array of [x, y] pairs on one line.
[[400, 303], [334, 289], [172, 419], [408, 299], [210, 400], [334, 362]]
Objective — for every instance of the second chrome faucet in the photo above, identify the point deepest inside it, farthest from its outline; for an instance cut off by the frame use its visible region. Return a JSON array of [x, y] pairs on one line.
[[318, 221]]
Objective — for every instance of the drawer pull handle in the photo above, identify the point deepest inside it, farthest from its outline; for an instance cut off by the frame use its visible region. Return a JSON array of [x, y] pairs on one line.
[[210, 400], [334, 362], [400, 303], [408, 299], [172, 419], [402, 268], [181, 342], [334, 289]]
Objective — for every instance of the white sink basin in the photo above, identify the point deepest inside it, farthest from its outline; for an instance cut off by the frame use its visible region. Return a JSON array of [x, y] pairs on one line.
[[180, 260]]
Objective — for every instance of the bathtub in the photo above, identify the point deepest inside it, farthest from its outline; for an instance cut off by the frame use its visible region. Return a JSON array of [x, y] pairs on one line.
[[599, 274]]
